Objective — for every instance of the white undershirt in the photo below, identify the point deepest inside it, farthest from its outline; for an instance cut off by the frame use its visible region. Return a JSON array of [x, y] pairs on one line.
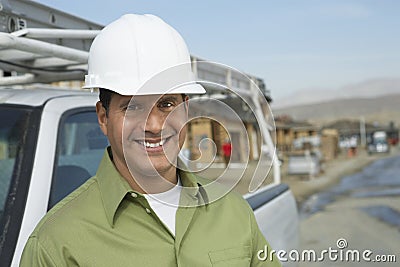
[[165, 205]]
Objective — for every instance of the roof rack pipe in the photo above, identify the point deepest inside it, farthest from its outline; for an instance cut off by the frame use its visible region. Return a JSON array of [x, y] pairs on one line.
[[214, 87], [265, 128], [56, 33], [39, 47], [30, 78], [51, 62], [21, 79]]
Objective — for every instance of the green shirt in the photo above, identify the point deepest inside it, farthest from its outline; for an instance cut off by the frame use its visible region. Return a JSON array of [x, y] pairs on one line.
[[105, 223]]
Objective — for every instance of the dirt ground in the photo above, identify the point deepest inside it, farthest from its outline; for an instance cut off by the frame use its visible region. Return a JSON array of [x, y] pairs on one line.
[[344, 218]]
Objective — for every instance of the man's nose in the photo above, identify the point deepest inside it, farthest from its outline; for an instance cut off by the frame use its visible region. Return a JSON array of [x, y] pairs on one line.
[[154, 121]]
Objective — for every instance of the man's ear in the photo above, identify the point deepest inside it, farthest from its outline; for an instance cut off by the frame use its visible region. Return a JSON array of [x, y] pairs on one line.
[[102, 117]]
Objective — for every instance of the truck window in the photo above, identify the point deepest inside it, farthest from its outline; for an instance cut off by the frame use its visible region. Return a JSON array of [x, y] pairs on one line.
[[18, 135], [13, 126], [80, 146]]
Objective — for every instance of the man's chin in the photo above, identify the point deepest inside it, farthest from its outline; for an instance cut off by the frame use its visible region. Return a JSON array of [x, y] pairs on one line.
[[151, 168]]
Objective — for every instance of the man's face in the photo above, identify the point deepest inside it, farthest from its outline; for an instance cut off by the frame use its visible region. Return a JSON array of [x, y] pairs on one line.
[[146, 132]]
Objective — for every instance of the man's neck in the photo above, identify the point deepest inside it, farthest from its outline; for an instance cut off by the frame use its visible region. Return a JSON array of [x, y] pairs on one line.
[[146, 184]]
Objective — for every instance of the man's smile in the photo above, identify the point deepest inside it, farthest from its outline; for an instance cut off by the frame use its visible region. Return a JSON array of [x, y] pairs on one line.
[[153, 144]]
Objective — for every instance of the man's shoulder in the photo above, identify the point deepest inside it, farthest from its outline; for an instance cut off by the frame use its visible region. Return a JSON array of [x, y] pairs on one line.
[[221, 194], [77, 205]]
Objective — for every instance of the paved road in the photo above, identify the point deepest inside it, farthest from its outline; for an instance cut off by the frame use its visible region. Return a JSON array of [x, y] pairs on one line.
[[363, 209]]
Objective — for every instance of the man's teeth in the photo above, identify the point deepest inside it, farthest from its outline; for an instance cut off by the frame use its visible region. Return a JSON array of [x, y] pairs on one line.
[[151, 145]]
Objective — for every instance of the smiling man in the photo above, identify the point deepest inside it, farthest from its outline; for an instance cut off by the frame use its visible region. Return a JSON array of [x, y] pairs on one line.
[[146, 133], [141, 209]]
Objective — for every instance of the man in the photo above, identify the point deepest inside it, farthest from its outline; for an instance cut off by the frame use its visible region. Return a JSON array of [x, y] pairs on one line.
[[227, 151], [140, 209]]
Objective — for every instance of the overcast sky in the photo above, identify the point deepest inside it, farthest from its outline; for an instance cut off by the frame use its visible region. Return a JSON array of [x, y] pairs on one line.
[[293, 45]]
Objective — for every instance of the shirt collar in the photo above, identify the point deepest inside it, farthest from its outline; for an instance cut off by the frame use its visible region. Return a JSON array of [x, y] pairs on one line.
[[193, 193], [113, 187]]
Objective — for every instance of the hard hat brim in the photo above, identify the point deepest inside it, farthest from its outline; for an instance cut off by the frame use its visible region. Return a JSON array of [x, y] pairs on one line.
[[188, 89]]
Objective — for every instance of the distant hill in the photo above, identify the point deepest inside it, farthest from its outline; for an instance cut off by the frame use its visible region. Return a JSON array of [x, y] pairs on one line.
[[381, 109], [365, 89]]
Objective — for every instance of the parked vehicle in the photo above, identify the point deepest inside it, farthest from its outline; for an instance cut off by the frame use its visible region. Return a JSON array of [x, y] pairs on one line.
[[379, 143], [304, 164], [50, 143]]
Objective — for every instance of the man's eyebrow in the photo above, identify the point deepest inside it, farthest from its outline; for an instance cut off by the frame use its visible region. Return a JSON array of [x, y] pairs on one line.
[[126, 103], [169, 97]]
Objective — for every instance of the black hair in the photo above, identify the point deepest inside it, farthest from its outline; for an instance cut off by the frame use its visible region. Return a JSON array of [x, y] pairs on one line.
[[105, 98]]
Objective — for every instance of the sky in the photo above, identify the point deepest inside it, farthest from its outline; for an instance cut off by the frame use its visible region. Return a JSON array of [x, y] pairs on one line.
[[292, 45]]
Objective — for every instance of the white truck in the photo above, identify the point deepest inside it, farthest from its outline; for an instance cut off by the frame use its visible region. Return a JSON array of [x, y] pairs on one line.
[[48, 134], [379, 143]]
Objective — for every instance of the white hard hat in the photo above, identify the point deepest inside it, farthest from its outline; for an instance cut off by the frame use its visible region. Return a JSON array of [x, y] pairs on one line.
[[141, 55]]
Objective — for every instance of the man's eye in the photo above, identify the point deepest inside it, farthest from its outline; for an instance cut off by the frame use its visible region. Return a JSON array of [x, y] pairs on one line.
[[166, 105], [133, 107]]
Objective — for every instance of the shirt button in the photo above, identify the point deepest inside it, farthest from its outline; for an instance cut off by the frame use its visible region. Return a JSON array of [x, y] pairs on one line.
[[148, 211], [134, 195]]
